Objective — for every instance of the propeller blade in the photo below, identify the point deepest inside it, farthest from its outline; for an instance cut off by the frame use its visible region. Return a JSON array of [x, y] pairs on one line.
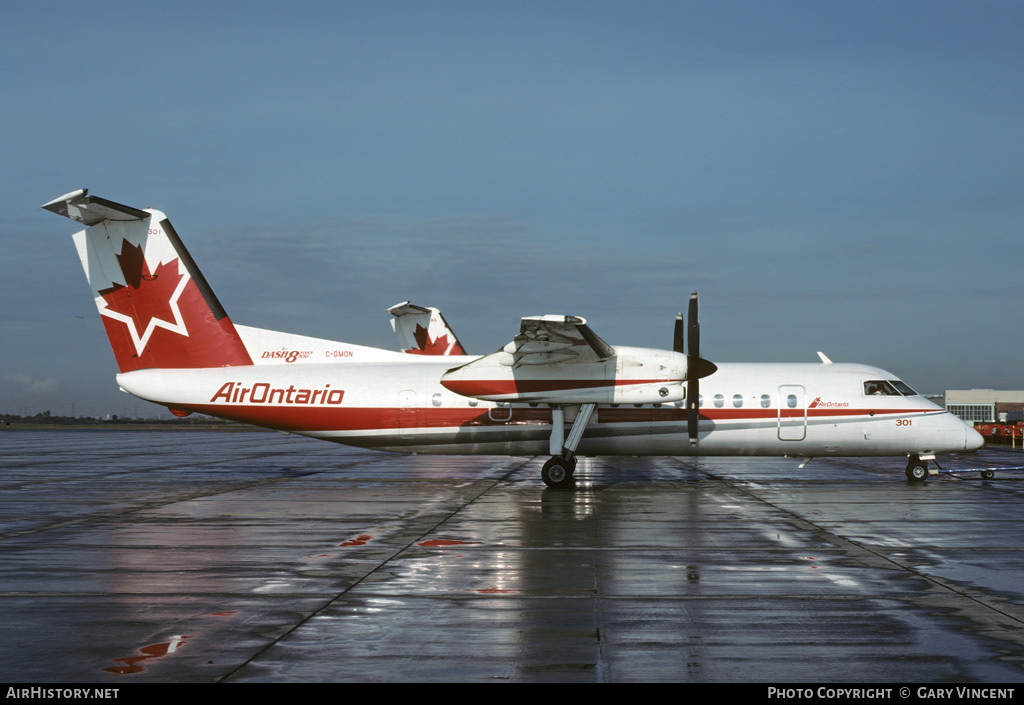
[[696, 367], [693, 332], [677, 339], [692, 413]]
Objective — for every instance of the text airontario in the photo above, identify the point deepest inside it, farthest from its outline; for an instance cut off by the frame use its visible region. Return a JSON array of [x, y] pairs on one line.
[[263, 393]]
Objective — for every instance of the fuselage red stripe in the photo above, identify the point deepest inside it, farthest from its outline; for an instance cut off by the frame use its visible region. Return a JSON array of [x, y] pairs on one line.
[[321, 418]]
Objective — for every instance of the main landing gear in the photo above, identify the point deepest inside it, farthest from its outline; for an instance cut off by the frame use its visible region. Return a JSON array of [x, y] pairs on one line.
[[558, 472]]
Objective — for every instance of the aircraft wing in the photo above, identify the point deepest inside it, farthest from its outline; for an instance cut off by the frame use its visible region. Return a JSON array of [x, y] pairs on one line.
[[545, 340]]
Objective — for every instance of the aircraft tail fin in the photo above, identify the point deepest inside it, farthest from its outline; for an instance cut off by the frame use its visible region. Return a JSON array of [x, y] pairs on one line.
[[156, 306], [423, 331]]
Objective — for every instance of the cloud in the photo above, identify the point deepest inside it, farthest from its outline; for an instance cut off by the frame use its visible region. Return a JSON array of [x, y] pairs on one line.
[[32, 386]]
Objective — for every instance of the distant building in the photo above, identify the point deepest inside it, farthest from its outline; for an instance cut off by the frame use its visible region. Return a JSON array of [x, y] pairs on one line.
[[985, 405]]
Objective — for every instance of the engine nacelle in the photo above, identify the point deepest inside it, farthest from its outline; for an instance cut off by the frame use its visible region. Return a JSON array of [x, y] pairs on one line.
[[631, 376]]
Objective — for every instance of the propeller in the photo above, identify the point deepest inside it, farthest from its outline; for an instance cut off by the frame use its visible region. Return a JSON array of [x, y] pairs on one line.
[[696, 367], [680, 333]]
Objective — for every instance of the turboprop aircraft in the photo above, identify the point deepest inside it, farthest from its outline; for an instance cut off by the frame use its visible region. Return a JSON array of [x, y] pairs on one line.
[[176, 346]]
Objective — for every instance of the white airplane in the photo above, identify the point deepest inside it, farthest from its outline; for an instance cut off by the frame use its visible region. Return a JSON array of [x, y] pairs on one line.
[[175, 346]]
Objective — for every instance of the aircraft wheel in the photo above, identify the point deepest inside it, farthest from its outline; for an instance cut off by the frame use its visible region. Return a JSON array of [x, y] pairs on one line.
[[557, 472], [987, 474], [917, 472]]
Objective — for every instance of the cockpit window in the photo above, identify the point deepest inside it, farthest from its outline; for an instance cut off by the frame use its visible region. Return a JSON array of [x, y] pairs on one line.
[[903, 388], [887, 388], [879, 387]]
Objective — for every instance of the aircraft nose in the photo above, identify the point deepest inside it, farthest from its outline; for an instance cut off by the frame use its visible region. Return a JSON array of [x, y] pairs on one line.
[[974, 439]]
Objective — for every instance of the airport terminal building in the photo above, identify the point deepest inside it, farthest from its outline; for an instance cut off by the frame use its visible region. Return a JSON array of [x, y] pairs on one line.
[[986, 405]]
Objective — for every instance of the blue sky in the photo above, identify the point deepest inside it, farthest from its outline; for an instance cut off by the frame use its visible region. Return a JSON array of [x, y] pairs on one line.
[[837, 176]]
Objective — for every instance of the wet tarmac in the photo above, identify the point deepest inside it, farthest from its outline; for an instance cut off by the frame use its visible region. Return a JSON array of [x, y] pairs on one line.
[[172, 556]]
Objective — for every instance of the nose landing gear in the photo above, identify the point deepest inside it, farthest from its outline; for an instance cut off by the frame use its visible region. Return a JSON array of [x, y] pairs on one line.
[[917, 470]]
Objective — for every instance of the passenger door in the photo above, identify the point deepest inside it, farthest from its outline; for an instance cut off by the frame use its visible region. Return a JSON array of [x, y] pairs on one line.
[[792, 413]]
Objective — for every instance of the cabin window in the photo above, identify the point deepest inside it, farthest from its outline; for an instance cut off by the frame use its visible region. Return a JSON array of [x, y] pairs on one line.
[[737, 400], [791, 401], [474, 402], [700, 401], [719, 401], [766, 401], [436, 400]]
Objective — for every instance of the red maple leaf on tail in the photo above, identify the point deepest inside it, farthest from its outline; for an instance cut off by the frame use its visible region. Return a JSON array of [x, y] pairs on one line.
[[438, 346], [146, 295]]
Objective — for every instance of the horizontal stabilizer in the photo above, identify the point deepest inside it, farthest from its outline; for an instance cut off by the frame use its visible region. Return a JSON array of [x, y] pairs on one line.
[[89, 210], [405, 308]]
